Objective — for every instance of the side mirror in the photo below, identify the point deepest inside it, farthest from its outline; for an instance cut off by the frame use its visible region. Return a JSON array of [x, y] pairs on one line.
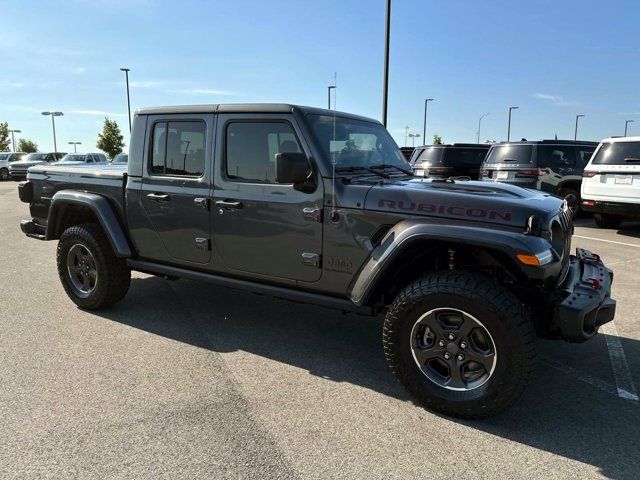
[[292, 168]]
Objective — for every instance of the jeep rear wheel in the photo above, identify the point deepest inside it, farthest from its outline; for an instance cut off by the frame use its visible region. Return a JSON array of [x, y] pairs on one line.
[[90, 272], [460, 343], [607, 221]]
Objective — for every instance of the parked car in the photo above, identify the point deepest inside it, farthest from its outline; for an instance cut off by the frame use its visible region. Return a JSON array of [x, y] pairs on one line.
[[454, 160], [320, 207], [18, 170], [7, 158], [120, 159], [611, 182], [83, 159], [553, 166]]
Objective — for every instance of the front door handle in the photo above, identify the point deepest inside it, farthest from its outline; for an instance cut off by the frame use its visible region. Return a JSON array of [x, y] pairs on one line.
[[158, 197], [229, 204]]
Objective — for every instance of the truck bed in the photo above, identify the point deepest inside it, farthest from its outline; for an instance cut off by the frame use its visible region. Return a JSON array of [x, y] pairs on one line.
[[106, 180]]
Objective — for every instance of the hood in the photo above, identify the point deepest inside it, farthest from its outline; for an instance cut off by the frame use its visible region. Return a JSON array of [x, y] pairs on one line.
[[465, 200]]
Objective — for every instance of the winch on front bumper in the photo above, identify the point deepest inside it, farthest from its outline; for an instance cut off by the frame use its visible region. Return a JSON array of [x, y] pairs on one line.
[[585, 301]]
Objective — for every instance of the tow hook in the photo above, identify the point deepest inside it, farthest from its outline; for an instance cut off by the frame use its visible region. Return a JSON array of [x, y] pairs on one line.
[[595, 283]]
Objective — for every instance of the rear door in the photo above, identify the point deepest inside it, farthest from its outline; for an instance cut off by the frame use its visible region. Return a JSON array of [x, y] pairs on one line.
[[175, 186], [614, 173], [263, 228]]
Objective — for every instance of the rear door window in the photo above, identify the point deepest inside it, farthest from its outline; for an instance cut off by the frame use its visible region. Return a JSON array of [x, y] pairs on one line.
[[556, 156], [584, 154], [510, 154], [178, 148], [618, 153]]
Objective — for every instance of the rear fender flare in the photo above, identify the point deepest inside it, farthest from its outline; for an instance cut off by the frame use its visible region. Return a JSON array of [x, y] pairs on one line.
[[100, 207], [406, 233]]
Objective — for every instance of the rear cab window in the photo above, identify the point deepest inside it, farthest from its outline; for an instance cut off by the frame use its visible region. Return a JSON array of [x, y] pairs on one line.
[[430, 155], [464, 157], [618, 153]]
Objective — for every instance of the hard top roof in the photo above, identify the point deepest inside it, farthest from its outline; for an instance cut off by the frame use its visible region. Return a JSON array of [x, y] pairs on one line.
[[463, 145], [246, 108], [548, 142]]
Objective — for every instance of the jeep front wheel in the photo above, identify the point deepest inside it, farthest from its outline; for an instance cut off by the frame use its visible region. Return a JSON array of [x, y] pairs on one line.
[[90, 272], [460, 343]]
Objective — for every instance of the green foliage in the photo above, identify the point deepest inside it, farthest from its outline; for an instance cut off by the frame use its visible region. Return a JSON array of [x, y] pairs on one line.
[[5, 142], [27, 146], [110, 141], [437, 139]]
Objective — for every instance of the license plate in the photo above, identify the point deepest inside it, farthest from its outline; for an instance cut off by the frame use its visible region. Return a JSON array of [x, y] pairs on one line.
[[502, 175], [420, 173], [624, 179]]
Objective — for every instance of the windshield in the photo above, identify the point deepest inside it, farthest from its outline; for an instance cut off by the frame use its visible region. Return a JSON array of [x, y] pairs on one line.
[[72, 158], [35, 157], [355, 143], [618, 153], [120, 158], [510, 154], [3, 156]]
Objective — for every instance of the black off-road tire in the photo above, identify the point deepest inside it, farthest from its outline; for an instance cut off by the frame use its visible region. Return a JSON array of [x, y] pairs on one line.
[[607, 221], [4, 174], [500, 313], [113, 275]]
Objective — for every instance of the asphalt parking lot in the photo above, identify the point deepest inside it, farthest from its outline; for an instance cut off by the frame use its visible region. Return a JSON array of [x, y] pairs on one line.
[[186, 380]]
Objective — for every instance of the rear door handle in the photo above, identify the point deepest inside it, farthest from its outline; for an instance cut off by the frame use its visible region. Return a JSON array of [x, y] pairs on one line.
[[229, 204], [158, 197]]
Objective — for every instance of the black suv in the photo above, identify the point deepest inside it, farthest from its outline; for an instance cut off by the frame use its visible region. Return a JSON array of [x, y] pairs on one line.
[[553, 166], [444, 161]]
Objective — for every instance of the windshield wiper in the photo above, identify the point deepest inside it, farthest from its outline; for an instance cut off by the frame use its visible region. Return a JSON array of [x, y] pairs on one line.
[[388, 165], [632, 160], [360, 169]]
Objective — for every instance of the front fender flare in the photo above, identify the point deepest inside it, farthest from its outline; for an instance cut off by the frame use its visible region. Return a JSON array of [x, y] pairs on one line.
[[100, 207], [402, 235]]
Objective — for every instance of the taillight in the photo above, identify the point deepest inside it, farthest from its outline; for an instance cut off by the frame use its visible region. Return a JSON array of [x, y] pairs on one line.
[[531, 172], [483, 171], [587, 174]]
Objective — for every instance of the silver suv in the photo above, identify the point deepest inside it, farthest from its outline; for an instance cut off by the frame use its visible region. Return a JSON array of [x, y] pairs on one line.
[[5, 159]]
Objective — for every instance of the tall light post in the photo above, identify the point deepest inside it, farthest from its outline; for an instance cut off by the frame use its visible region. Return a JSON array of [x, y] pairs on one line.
[[479, 125], [329, 88], [509, 127], [406, 135], [13, 140], [424, 128], [575, 134], [53, 124], [385, 84], [413, 137], [626, 124], [126, 73], [74, 146]]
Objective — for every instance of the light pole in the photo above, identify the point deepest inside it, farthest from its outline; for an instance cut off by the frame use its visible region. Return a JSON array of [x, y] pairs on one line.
[[329, 88], [479, 124], [626, 124], [126, 73], [413, 137], [385, 84], [74, 146], [509, 127], [575, 134], [424, 128], [13, 140], [406, 135], [53, 124]]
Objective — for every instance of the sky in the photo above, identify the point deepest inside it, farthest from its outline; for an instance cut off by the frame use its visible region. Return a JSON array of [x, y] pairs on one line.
[[552, 59]]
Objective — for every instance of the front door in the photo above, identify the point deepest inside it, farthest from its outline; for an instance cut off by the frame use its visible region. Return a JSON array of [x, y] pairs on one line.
[[260, 227], [175, 187]]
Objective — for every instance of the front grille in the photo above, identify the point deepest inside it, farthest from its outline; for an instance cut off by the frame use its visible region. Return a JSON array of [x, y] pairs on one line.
[[565, 224]]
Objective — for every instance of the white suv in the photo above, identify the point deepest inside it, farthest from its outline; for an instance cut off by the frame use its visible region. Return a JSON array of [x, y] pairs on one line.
[[611, 183]]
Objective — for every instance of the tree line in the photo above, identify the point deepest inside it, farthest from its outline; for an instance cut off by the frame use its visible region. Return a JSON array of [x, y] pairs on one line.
[[110, 140]]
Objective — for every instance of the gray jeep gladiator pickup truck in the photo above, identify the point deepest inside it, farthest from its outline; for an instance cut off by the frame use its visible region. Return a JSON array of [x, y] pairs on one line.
[[321, 207]]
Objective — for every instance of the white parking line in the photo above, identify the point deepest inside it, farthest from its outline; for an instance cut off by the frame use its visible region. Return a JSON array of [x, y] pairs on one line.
[[608, 241], [621, 373], [583, 377]]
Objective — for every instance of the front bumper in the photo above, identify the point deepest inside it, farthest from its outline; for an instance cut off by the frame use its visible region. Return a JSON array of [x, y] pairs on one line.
[[584, 302], [630, 210], [18, 175]]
